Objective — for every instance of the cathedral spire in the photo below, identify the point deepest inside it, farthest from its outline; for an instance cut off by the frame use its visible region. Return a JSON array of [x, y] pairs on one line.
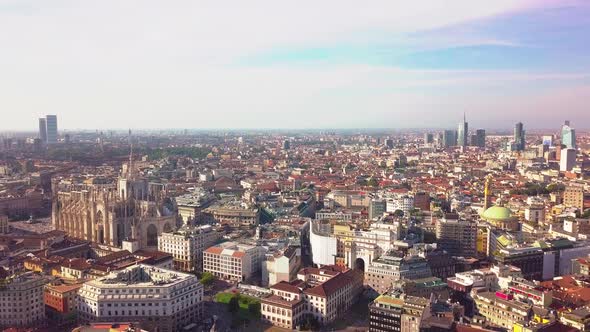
[[130, 168]]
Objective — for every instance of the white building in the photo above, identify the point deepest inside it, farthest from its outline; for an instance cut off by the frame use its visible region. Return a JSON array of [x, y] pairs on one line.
[[233, 261], [567, 160], [281, 266], [187, 245], [535, 213], [159, 299], [404, 203], [323, 245], [21, 299]]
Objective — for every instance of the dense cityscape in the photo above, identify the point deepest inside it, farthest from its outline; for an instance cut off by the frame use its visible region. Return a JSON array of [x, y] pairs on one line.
[[355, 230]]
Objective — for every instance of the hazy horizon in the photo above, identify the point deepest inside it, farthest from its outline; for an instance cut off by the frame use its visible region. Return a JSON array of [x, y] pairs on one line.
[[329, 65]]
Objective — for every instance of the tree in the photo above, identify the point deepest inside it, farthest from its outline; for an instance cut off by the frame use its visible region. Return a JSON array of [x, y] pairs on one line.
[[234, 303], [254, 308], [207, 279], [373, 182], [398, 213]]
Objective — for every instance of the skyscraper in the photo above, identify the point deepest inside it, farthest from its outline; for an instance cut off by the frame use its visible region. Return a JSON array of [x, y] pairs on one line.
[[462, 133], [43, 130], [568, 136], [567, 160], [519, 137], [449, 138], [428, 138], [51, 125], [480, 138]]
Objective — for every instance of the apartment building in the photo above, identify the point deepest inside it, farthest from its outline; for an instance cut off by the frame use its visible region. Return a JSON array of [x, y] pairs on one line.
[[574, 196], [457, 237], [61, 302], [233, 261], [187, 245], [501, 309], [21, 299], [159, 299]]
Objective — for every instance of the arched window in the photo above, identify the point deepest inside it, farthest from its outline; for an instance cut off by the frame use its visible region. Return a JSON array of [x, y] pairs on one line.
[[152, 236]]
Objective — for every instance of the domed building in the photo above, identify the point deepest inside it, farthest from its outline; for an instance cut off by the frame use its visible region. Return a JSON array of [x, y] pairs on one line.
[[501, 217]]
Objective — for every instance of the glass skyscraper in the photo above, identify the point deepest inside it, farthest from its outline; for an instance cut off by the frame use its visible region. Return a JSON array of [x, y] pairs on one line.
[[462, 133], [519, 137], [568, 136], [51, 122]]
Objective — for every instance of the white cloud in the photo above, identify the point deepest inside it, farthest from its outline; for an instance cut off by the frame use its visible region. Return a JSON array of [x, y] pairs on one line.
[[164, 63]]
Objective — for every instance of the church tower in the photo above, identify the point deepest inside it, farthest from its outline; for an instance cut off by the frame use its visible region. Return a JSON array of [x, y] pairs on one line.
[[488, 193]]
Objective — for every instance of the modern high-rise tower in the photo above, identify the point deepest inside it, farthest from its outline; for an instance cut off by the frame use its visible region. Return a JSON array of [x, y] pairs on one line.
[[449, 138], [480, 138], [568, 136], [519, 137], [43, 130], [51, 122], [462, 133]]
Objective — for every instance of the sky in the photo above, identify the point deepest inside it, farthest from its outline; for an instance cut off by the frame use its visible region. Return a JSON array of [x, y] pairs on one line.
[[294, 64]]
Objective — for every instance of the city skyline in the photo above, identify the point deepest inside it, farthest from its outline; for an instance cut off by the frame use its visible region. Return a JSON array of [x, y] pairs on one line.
[[267, 66]]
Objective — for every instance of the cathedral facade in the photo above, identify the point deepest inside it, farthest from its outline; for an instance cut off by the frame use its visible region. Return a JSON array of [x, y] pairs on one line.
[[131, 209]]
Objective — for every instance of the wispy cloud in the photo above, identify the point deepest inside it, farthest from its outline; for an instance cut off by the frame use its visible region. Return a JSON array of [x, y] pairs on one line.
[[333, 63]]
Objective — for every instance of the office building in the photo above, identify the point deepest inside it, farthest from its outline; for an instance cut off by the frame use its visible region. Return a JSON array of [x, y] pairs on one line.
[[528, 259], [457, 237], [519, 137], [449, 138], [322, 294], [462, 133], [428, 138], [21, 299], [568, 136], [159, 299], [479, 139], [234, 261], [567, 160], [548, 140], [187, 245], [51, 123], [387, 269], [286, 144], [43, 130], [389, 143], [191, 205]]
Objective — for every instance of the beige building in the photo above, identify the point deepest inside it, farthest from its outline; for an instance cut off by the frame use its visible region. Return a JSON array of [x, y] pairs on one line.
[[234, 216], [322, 294], [281, 266], [233, 261], [21, 299], [573, 196], [503, 312], [187, 245], [159, 299]]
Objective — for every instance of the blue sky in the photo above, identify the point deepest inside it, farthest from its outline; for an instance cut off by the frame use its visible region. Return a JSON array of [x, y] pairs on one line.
[[304, 64]]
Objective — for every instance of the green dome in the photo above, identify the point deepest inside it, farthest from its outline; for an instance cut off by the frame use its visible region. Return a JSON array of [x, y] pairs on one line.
[[497, 213]]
